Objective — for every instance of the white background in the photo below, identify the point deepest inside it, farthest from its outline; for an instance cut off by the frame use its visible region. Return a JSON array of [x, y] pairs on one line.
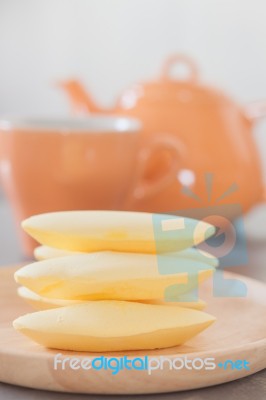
[[110, 44]]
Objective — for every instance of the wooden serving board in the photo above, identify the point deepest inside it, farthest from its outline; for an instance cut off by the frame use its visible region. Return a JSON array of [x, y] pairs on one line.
[[238, 334]]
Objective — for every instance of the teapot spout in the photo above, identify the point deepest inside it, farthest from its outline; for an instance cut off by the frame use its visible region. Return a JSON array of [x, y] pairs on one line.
[[80, 100]]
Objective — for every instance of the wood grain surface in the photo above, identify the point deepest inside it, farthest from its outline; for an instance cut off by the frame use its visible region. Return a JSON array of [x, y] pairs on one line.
[[238, 334]]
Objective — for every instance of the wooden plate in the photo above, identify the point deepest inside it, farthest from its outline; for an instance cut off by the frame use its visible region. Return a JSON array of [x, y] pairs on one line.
[[238, 334]]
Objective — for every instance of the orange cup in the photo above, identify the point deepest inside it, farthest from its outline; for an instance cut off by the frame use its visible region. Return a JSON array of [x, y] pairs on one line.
[[74, 164]]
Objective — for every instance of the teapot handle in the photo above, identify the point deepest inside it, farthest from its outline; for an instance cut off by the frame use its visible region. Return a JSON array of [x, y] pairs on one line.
[[146, 187], [181, 59], [255, 111]]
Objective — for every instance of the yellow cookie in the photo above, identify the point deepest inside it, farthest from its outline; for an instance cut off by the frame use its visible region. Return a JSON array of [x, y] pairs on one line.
[[113, 326], [112, 276], [43, 303], [196, 305], [46, 252], [90, 231]]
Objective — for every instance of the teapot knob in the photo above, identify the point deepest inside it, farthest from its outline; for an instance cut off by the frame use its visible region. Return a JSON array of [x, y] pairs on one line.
[[181, 59]]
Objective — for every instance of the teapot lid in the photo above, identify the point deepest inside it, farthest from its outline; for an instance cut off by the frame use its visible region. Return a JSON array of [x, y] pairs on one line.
[[186, 92]]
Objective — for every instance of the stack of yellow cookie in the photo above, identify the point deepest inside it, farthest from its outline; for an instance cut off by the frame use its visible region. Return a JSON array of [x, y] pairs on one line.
[[102, 277]]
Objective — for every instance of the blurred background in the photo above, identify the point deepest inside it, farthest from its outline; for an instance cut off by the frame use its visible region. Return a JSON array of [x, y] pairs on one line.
[[110, 44]]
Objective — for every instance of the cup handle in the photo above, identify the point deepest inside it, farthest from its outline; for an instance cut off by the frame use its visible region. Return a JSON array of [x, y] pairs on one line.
[[145, 187], [255, 110]]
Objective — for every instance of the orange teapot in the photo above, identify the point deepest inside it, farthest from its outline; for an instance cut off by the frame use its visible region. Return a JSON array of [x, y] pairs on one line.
[[218, 159]]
